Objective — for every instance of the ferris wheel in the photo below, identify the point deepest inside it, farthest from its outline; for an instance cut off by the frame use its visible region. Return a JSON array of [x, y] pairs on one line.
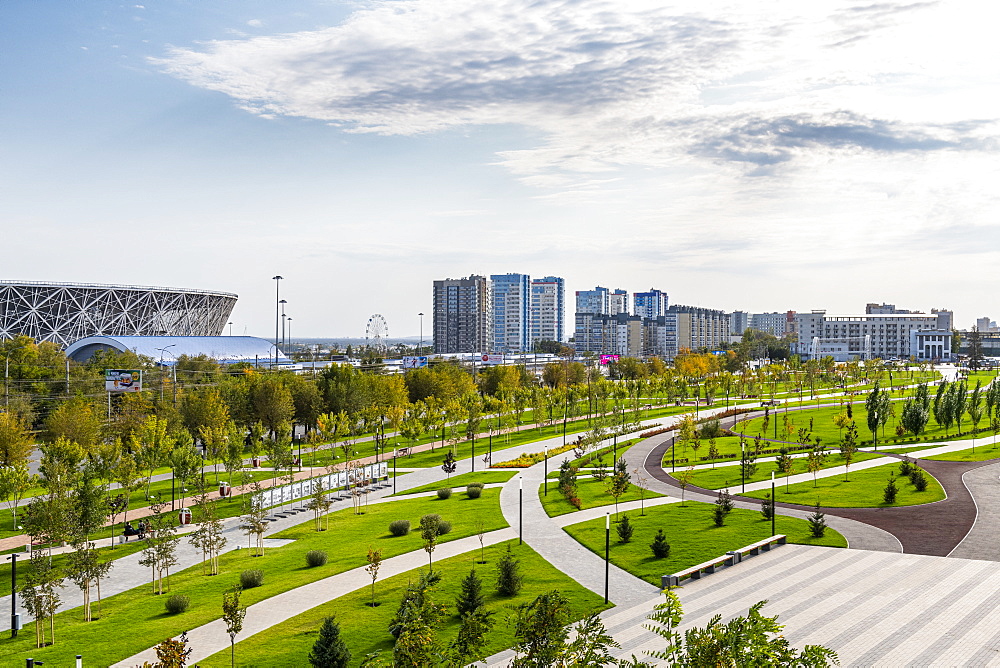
[[376, 332]]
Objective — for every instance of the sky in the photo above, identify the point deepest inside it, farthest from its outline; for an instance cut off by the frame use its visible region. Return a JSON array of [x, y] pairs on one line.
[[755, 156]]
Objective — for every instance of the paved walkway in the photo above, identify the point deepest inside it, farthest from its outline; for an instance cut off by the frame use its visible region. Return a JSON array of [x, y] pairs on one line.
[[981, 540]]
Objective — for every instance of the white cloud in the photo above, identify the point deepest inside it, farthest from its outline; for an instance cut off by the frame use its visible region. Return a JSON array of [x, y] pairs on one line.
[[255, 23]]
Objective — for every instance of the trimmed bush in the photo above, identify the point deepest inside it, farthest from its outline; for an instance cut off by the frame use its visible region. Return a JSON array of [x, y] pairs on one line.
[[253, 577], [315, 558], [473, 492], [444, 493], [399, 527], [660, 546], [444, 526], [430, 518], [177, 604], [480, 485]]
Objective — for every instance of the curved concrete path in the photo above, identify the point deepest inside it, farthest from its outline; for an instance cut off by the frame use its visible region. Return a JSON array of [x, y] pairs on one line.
[[981, 540]]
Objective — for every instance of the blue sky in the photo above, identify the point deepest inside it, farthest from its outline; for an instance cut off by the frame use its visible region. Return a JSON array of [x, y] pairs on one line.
[[755, 156]]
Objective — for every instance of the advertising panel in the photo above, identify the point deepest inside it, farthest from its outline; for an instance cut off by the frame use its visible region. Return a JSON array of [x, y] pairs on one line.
[[123, 380], [491, 359], [411, 362], [608, 359]]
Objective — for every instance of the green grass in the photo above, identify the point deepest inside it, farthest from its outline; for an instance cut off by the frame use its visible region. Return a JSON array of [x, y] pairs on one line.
[[985, 451], [463, 479], [692, 535], [729, 476], [863, 491], [115, 636], [59, 561], [592, 494], [364, 628]]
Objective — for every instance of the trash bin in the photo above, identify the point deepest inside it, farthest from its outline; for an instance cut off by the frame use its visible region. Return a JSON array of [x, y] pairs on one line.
[[184, 516], [255, 462], [224, 489]]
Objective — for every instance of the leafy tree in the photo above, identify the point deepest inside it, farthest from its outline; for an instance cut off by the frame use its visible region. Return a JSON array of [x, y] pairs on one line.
[[233, 614], [429, 525], [540, 630], [848, 448], [15, 482], [173, 653], [814, 462], [329, 650], [753, 640], [942, 412], [415, 623], [449, 464], [618, 483], [15, 440], [915, 416], [684, 479], [40, 593]]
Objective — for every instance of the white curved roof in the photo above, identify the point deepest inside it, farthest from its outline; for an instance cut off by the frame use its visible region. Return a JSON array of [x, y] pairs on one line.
[[223, 349]]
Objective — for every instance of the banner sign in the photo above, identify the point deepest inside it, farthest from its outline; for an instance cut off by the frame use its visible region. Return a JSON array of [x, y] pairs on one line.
[[275, 496], [122, 380], [414, 362], [492, 359], [608, 359]]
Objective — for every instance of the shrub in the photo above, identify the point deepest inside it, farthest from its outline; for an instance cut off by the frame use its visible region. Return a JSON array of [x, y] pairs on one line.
[[444, 493], [660, 546], [177, 604], [625, 530], [480, 485], [430, 518], [905, 467], [767, 507], [918, 479], [315, 558], [399, 527], [444, 526], [329, 650], [473, 492], [250, 578], [711, 429], [890, 491], [723, 506], [509, 578]]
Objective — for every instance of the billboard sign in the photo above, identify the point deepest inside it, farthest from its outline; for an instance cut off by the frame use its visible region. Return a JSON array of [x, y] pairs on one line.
[[123, 380], [491, 359], [608, 359], [414, 362]]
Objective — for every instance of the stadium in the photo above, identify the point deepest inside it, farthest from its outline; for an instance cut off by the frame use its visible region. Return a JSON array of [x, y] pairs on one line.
[[66, 312]]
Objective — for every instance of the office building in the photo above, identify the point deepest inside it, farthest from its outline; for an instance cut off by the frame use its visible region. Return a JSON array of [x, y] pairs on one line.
[[511, 312], [462, 315], [868, 336]]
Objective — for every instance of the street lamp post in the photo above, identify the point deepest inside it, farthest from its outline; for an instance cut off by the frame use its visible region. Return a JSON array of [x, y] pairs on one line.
[[277, 296], [875, 431], [520, 509], [163, 350], [289, 321], [607, 554], [546, 470], [283, 302], [230, 329], [420, 350], [13, 594], [774, 508], [743, 469]]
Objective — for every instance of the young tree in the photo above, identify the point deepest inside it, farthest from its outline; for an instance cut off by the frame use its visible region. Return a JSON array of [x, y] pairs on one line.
[[329, 650], [415, 624], [15, 482], [253, 520], [173, 653], [617, 485], [40, 593], [684, 479], [374, 563], [471, 597], [814, 462], [723, 506], [817, 522], [319, 503], [81, 569], [540, 630], [785, 463], [767, 507], [891, 490], [233, 614], [642, 483], [15, 440], [509, 577], [481, 535], [848, 448], [429, 525], [449, 464], [914, 417]]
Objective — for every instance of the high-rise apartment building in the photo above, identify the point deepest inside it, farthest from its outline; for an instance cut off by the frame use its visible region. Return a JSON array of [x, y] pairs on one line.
[[738, 322], [650, 304], [548, 306], [775, 323], [592, 301], [511, 312], [618, 302], [462, 315]]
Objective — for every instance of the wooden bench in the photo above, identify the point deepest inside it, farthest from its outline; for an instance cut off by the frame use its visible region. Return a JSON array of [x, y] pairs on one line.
[[403, 452], [728, 559]]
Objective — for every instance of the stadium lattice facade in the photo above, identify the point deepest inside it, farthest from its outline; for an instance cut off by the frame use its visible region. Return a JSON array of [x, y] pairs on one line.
[[65, 312]]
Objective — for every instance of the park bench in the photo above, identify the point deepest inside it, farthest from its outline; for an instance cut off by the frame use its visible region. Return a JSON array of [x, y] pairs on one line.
[[403, 452], [728, 559]]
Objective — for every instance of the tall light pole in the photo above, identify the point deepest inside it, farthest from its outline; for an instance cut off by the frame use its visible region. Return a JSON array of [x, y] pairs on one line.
[[607, 554], [277, 296], [289, 321], [520, 509], [283, 302], [875, 431], [420, 350], [774, 508], [163, 350], [230, 329]]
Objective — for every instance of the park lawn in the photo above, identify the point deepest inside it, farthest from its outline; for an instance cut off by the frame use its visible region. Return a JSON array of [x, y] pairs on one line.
[[863, 491], [692, 534], [729, 476], [983, 452], [59, 560], [463, 479], [592, 494], [115, 636], [364, 628]]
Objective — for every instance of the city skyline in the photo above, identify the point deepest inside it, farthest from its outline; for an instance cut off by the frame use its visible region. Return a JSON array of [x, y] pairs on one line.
[[741, 157]]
